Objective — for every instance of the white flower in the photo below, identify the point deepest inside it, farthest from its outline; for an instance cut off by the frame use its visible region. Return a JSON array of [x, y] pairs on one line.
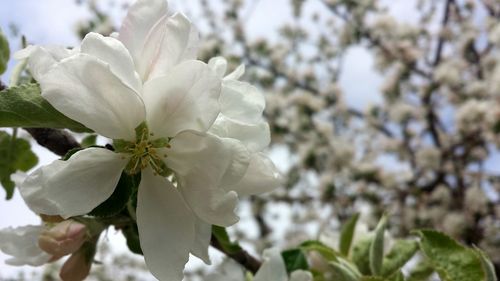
[[273, 269], [144, 89], [22, 244]]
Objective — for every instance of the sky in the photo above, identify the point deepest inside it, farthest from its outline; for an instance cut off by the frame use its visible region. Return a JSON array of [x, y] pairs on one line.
[[54, 22]]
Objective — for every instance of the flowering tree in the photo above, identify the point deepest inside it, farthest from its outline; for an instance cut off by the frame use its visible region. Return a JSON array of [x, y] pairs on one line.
[[185, 139]]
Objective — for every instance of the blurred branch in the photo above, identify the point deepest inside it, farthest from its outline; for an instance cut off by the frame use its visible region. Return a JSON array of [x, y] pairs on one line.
[[242, 257], [57, 141]]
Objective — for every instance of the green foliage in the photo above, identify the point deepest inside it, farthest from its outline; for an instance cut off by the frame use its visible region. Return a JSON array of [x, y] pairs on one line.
[[89, 140], [377, 247], [131, 233], [15, 155], [4, 52], [24, 106], [295, 259], [347, 234], [401, 252], [451, 260], [361, 254], [326, 252], [488, 267], [422, 271], [343, 272], [126, 186], [222, 237]]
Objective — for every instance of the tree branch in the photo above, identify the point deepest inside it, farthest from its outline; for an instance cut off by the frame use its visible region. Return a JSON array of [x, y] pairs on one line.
[[242, 257], [57, 141]]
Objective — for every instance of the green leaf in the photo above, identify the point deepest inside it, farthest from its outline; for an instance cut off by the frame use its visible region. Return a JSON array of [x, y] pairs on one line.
[[222, 237], [131, 233], [377, 247], [451, 260], [314, 245], [89, 140], [24, 106], [401, 252], [15, 155], [421, 272], [361, 254], [398, 276], [372, 278], [488, 267], [126, 186], [347, 234], [4, 52], [294, 259], [341, 272]]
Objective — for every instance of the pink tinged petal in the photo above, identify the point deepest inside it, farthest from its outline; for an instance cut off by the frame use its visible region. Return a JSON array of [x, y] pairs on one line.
[[241, 101], [203, 234], [22, 244], [200, 163], [261, 176], [42, 59], [76, 268], [171, 40], [86, 90], [166, 227], [114, 53], [255, 136], [76, 186], [63, 239], [273, 267], [301, 275], [219, 65], [136, 26], [184, 99]]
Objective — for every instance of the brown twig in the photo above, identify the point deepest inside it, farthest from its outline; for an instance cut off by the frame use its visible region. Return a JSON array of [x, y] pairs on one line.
[[242, 257], [57, 141]]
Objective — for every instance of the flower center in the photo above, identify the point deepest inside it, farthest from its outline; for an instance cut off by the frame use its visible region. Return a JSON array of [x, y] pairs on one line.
[[144, 151]]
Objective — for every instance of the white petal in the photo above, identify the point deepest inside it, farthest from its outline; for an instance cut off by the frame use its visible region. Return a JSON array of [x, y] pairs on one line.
[[241, 101], [76, 186], [219, 65], [200, 162], [229, 270], [113, 52], [22, 244], [136, 26], [84, 89], [171, 40], [255, 136], [184, 99], [237, 73], [261, 176], [301, 275], [166, 227], [273, 267], [42, 59], [203, 234]]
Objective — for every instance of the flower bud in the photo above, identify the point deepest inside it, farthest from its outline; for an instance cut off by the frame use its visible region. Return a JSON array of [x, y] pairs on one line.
[[76, 268], [63, 239]]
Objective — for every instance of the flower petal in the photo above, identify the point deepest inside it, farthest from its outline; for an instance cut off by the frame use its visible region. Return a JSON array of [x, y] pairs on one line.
[[166, 227], [172, 40], [200, 163], [136, 26], [113, 52], [184, 99], [241, 101], [255, 136], [76, 186], [203, 234], [273, 267], [22, 244], [84, 89], [42, 59], [261, 176], [219, 65], [301, 275], [237, 73]]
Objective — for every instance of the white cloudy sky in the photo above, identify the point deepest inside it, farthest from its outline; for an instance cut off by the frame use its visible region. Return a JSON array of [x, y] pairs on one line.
[[53, 22]]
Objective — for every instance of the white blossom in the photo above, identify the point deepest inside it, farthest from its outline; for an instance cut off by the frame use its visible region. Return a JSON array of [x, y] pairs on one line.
[[159, 105]]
